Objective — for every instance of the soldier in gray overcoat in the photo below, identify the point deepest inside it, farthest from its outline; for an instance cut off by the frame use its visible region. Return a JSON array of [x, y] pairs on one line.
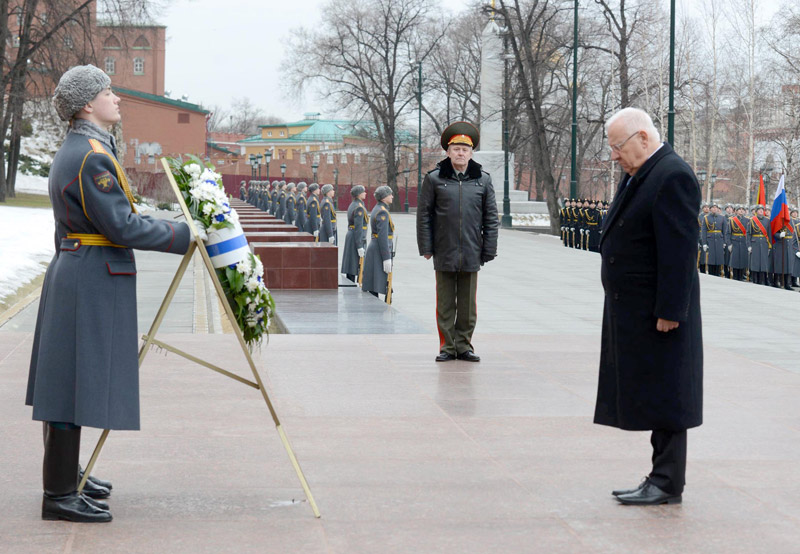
[[312, 211], [378, 258], [736, 241], [273, 197], [301, 206], [242, 191], [289, 214], [263, 203], [355, 241], [280, 211], [712, 226], [84, 369], [758, 246], [327, 228], [783, 257]]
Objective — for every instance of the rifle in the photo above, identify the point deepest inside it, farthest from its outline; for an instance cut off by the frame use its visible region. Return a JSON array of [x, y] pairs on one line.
[[361, 270], [389, 288]]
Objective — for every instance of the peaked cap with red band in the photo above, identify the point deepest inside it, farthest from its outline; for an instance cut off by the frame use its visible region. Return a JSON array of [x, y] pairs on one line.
[[461, 132]]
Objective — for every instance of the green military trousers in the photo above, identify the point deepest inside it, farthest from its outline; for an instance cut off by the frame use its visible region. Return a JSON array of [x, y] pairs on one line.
[[456, 310]]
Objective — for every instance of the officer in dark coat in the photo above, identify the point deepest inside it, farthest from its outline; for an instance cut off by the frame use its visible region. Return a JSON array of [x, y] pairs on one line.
[[759, 246], [84, 367], [378, 258], [301, 206], [355, 241], [457, 225], [651, 357], [312, 211], [327, 228]]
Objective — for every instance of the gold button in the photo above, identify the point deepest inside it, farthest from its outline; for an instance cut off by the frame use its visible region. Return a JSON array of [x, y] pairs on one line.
[[75, 245]]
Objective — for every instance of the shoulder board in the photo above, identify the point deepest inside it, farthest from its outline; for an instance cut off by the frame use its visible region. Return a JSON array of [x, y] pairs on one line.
[[384, 208], [97, 148]]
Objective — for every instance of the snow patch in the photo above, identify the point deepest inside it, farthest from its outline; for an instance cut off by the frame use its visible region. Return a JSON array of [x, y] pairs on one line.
[[26, 245], [32, 184]]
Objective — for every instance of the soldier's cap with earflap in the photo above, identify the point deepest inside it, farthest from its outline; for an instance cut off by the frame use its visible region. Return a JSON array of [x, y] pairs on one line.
[[77, 87], [382, 192], [312, 187], [714, 205], [326, 189], [461, 132], [301, 186], [356, 190], [275, 183]]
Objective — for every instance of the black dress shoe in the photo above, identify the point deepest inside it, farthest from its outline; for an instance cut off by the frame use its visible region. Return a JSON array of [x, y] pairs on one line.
[[445, 357], [96, 480], [93, 490], [629, 491], [99, 504], [73, 507], [469, 356], [649, 495]]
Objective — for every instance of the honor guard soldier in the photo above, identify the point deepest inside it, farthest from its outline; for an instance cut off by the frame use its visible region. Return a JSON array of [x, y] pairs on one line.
[[726, 269], [758, 247], [576, 219], [736, 240], [564, 222], [281, 211], [593, 221], [783, 258], [457, 225], [291, 201], [84, 369], [584, 226], [264, 204], [313, 219], [378, 258], [242, 192], [250, 193], [301, 205], [796, 262], [273, 197], [327, 229], [355, 241], [712, 226]]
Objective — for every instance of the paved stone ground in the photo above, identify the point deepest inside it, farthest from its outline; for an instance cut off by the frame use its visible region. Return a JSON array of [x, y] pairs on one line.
[[406, 455]]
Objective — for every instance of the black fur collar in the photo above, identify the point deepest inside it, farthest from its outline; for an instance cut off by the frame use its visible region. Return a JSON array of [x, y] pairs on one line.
[[446, 170]]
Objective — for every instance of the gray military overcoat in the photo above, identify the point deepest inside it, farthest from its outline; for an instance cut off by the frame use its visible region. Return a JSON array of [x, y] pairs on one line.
[[84, 365], [379, 250], [357, 221], [712, 227], [327, 227], [736, 237], [759, 242]]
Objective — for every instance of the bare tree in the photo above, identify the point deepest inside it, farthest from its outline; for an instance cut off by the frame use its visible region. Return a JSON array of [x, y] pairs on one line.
[[364, 57]]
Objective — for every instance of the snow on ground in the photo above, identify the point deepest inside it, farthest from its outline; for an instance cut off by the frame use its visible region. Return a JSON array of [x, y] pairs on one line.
[[26, 244], [31, 184]]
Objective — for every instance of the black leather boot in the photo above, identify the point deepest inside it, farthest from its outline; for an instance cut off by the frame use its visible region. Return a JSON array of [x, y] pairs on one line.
[[96, 480], [60, 471]]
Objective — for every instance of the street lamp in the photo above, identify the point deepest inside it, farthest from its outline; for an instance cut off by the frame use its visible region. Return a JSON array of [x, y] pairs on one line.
[[419, 131], [267, 159], [701, 176], [336, 187], [713, 182], [252, 166], [283, 171], [406, 171], [314, 166], [258, 165], [505, 221]]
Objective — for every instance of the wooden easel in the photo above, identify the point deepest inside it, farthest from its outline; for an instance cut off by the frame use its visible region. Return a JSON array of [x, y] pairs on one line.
[[150, 340]]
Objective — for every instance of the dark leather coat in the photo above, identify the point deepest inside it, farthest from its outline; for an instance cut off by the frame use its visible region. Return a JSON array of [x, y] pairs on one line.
[[457, 220]]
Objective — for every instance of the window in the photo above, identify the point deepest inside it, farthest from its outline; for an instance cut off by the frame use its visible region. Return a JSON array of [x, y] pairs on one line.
[[269, 133], [342, 158], [18, 11], [112, 43], [68, 42], [141, 43], [282, 134], [183, 118], [138, 66], [111, 65], [329, 159], [356, 158], [302, 158], [16, 41]]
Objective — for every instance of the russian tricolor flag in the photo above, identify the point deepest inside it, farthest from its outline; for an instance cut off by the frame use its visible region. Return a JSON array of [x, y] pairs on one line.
[[779, 216]]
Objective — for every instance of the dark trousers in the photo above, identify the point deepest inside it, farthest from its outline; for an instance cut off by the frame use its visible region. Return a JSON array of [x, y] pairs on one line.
[[669, 460], [456, 310]]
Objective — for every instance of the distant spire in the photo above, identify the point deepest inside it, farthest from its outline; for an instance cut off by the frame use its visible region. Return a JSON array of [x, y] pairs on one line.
[[492, 16]]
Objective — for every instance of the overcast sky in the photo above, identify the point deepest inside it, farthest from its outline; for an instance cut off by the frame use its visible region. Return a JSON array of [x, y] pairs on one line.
[[218, 50]]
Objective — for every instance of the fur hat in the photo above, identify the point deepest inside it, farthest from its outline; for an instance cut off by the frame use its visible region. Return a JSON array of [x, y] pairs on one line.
[[77, 87], [356, 190], [312, 187], [382, 192], [326, 189]]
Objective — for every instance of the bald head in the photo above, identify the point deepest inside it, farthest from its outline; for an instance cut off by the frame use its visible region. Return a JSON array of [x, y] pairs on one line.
[[632, 138]]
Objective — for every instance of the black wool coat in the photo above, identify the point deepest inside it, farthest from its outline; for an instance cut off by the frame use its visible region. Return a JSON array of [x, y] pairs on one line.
[[650, 379]]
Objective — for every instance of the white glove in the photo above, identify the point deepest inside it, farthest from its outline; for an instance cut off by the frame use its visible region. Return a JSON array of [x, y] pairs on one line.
[[316, 233], [797, 254], [387, 266], [749, 248], [730, 248], [705, 248], [572, 229], [782, 234], [331, 239], [581, 230], [201, 230], [360, 252]]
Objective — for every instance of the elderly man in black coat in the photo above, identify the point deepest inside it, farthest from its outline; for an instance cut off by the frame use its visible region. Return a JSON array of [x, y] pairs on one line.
[[651, 359]]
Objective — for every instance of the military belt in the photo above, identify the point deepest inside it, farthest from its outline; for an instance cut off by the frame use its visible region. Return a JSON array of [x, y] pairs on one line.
[[375, 235], [92, 239], [714, 232], [351, 227]]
